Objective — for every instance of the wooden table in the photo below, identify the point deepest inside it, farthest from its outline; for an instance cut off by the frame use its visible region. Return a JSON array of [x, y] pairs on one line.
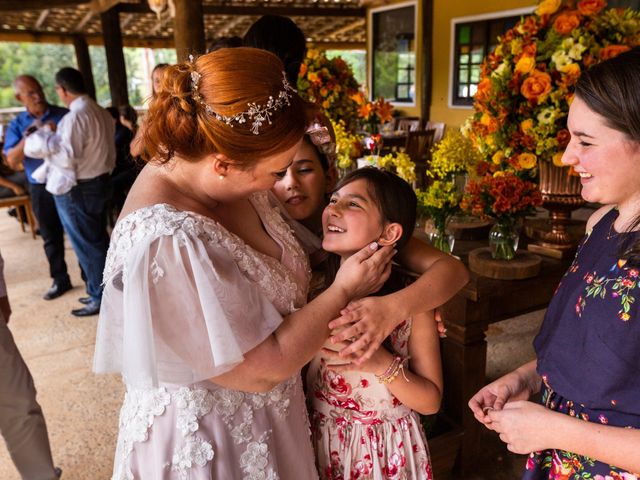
[[481, 302]]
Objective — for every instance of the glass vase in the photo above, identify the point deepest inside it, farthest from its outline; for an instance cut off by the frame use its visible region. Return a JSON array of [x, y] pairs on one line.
[[503, 239], [442, 240]]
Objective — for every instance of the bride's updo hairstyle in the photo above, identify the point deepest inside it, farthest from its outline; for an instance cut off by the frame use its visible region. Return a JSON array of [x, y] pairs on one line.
[[205, 106]]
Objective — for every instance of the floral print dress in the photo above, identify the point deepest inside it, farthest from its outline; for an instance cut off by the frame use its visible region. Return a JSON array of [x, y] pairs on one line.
[[359, 429], [587, 351]]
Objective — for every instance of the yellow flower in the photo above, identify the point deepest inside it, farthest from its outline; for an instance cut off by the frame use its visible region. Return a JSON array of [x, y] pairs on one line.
[[570, 69], [312, 53], [557, 159], [547, 7], [500, 173], [527, 161], [625, 316], [498, 157], [526, 125], [526, 64]]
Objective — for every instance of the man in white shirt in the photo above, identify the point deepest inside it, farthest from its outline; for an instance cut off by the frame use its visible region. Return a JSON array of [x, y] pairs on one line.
[[84, 143], [21, 421]]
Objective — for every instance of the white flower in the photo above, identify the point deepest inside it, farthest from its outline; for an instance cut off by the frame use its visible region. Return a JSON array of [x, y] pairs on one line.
[[560, 59], [547, 116], [502, 70]]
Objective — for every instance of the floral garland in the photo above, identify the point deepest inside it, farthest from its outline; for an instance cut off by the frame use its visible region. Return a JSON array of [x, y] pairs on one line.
[[528, 81]]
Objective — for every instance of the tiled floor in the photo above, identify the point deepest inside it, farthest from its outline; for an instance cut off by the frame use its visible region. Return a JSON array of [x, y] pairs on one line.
[[82, 409]]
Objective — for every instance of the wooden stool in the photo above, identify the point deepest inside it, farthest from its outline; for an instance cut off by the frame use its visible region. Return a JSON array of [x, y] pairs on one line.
[[17, 202]]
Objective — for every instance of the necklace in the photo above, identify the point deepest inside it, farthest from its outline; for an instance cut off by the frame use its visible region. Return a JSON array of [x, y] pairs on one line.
[[612, 232]]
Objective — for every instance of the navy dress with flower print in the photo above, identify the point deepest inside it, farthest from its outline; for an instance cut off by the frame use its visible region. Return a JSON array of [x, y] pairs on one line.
[[587, 352]]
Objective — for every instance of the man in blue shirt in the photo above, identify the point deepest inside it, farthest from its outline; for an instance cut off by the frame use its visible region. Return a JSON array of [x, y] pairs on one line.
[[39, 112]]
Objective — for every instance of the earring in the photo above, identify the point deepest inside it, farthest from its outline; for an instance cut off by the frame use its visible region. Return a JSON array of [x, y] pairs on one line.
[[221, 177]]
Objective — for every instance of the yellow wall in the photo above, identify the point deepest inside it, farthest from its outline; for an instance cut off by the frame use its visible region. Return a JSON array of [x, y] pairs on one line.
[[443, 12]]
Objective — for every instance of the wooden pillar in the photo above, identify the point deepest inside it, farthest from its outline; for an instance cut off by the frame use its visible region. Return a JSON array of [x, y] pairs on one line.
[[188, 28], [84, 63], [427, 59], [112, 37]]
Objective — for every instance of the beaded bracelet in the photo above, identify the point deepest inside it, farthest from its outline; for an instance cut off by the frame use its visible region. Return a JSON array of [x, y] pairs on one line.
[[392, 372]]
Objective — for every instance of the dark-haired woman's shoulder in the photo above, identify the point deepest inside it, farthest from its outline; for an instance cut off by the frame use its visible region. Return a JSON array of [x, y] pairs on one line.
[[597, 216]]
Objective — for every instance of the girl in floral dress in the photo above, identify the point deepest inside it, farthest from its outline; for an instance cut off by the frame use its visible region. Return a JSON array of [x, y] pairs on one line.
[[587, 349], [365, 420]]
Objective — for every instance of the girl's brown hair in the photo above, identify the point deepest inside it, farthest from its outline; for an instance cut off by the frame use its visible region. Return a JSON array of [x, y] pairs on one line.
[[230, 79]]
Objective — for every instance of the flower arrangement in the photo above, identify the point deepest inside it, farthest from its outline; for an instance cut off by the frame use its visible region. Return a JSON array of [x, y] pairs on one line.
[[330, 83], [348, 145], [527, 82], [505, 197], [440, 201], [454, 154], [372, 114]]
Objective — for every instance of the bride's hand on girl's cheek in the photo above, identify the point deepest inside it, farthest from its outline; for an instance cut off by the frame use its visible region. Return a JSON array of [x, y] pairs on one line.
[[365, 271]]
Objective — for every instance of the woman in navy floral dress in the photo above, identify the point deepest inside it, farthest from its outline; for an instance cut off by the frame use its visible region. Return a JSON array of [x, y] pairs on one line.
[[587, 350]]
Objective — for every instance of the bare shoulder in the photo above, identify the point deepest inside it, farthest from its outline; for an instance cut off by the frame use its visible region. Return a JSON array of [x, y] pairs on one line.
[[597, 216]]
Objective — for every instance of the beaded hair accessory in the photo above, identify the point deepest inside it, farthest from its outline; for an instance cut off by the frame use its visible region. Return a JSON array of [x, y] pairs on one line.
[[257, 114], [321, 139]]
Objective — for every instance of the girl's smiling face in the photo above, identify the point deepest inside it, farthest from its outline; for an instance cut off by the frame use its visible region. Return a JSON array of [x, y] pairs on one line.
[[352, 219]]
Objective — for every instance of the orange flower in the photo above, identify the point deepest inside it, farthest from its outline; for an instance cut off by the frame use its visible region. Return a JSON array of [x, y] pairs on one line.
[[358, 98], [566, 22], [591, 7], [547, 7], [303, 70], [563, 138], [527, 160], [611, 51], [526, 64], [484, 88], [557, 159], [365, 110], [536, 87], [384, 111]]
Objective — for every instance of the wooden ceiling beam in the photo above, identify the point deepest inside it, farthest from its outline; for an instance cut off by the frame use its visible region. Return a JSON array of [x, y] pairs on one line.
[[43, 16], [15, 6], [95, 39], [259, 10], [84, 21]]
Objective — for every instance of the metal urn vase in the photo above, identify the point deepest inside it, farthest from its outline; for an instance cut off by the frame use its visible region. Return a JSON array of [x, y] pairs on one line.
[[560, 196]]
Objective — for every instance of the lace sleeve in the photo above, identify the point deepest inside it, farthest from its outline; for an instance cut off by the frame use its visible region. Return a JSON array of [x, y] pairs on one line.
[[180, 312]]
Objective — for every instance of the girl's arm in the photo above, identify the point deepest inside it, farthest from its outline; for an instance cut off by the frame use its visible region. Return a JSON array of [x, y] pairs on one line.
[[421, 390], [303, 332], [527, 427], [374, 318]]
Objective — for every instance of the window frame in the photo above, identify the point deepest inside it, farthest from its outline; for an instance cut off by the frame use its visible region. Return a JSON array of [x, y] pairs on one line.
[[396, 6], [453, 47]]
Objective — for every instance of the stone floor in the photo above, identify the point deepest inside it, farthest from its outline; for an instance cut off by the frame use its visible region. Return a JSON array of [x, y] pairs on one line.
[[82, 408]]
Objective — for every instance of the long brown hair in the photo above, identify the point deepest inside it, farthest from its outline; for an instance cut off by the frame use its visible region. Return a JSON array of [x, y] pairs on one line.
[[229, 80], [612, 90]]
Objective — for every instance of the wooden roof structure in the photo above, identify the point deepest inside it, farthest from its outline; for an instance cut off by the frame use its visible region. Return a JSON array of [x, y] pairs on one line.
[[325, 22]]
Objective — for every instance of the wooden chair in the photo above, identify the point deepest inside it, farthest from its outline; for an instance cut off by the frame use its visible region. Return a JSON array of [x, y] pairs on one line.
[[418, 147], [17, 202], [438, 127], [408, 124]]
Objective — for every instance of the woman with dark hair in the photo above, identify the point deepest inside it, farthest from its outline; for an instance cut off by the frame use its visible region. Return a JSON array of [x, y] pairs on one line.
[[204, 309], [587, 366]]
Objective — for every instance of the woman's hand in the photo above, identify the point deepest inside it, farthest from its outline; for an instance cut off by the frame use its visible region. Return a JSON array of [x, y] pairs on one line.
[[517, 385], [365, 271], [377, 364], [370, 320], [17, 189], [523, 426]]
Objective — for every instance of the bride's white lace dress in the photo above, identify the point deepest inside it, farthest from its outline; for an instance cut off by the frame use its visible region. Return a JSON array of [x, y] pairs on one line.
[[184, 299]]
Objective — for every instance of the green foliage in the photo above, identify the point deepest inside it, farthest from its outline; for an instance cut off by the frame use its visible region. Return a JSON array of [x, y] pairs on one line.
[[43, 60]]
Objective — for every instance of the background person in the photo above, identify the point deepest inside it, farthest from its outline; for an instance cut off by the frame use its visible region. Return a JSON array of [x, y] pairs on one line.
[[38, 112], [22, 423], [589, 420], [84, 142]]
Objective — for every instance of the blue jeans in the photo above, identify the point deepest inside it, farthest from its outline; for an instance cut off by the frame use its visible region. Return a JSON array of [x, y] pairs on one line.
[[82, 212]]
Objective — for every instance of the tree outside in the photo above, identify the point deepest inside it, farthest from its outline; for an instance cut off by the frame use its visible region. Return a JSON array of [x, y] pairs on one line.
[[42, 60]]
